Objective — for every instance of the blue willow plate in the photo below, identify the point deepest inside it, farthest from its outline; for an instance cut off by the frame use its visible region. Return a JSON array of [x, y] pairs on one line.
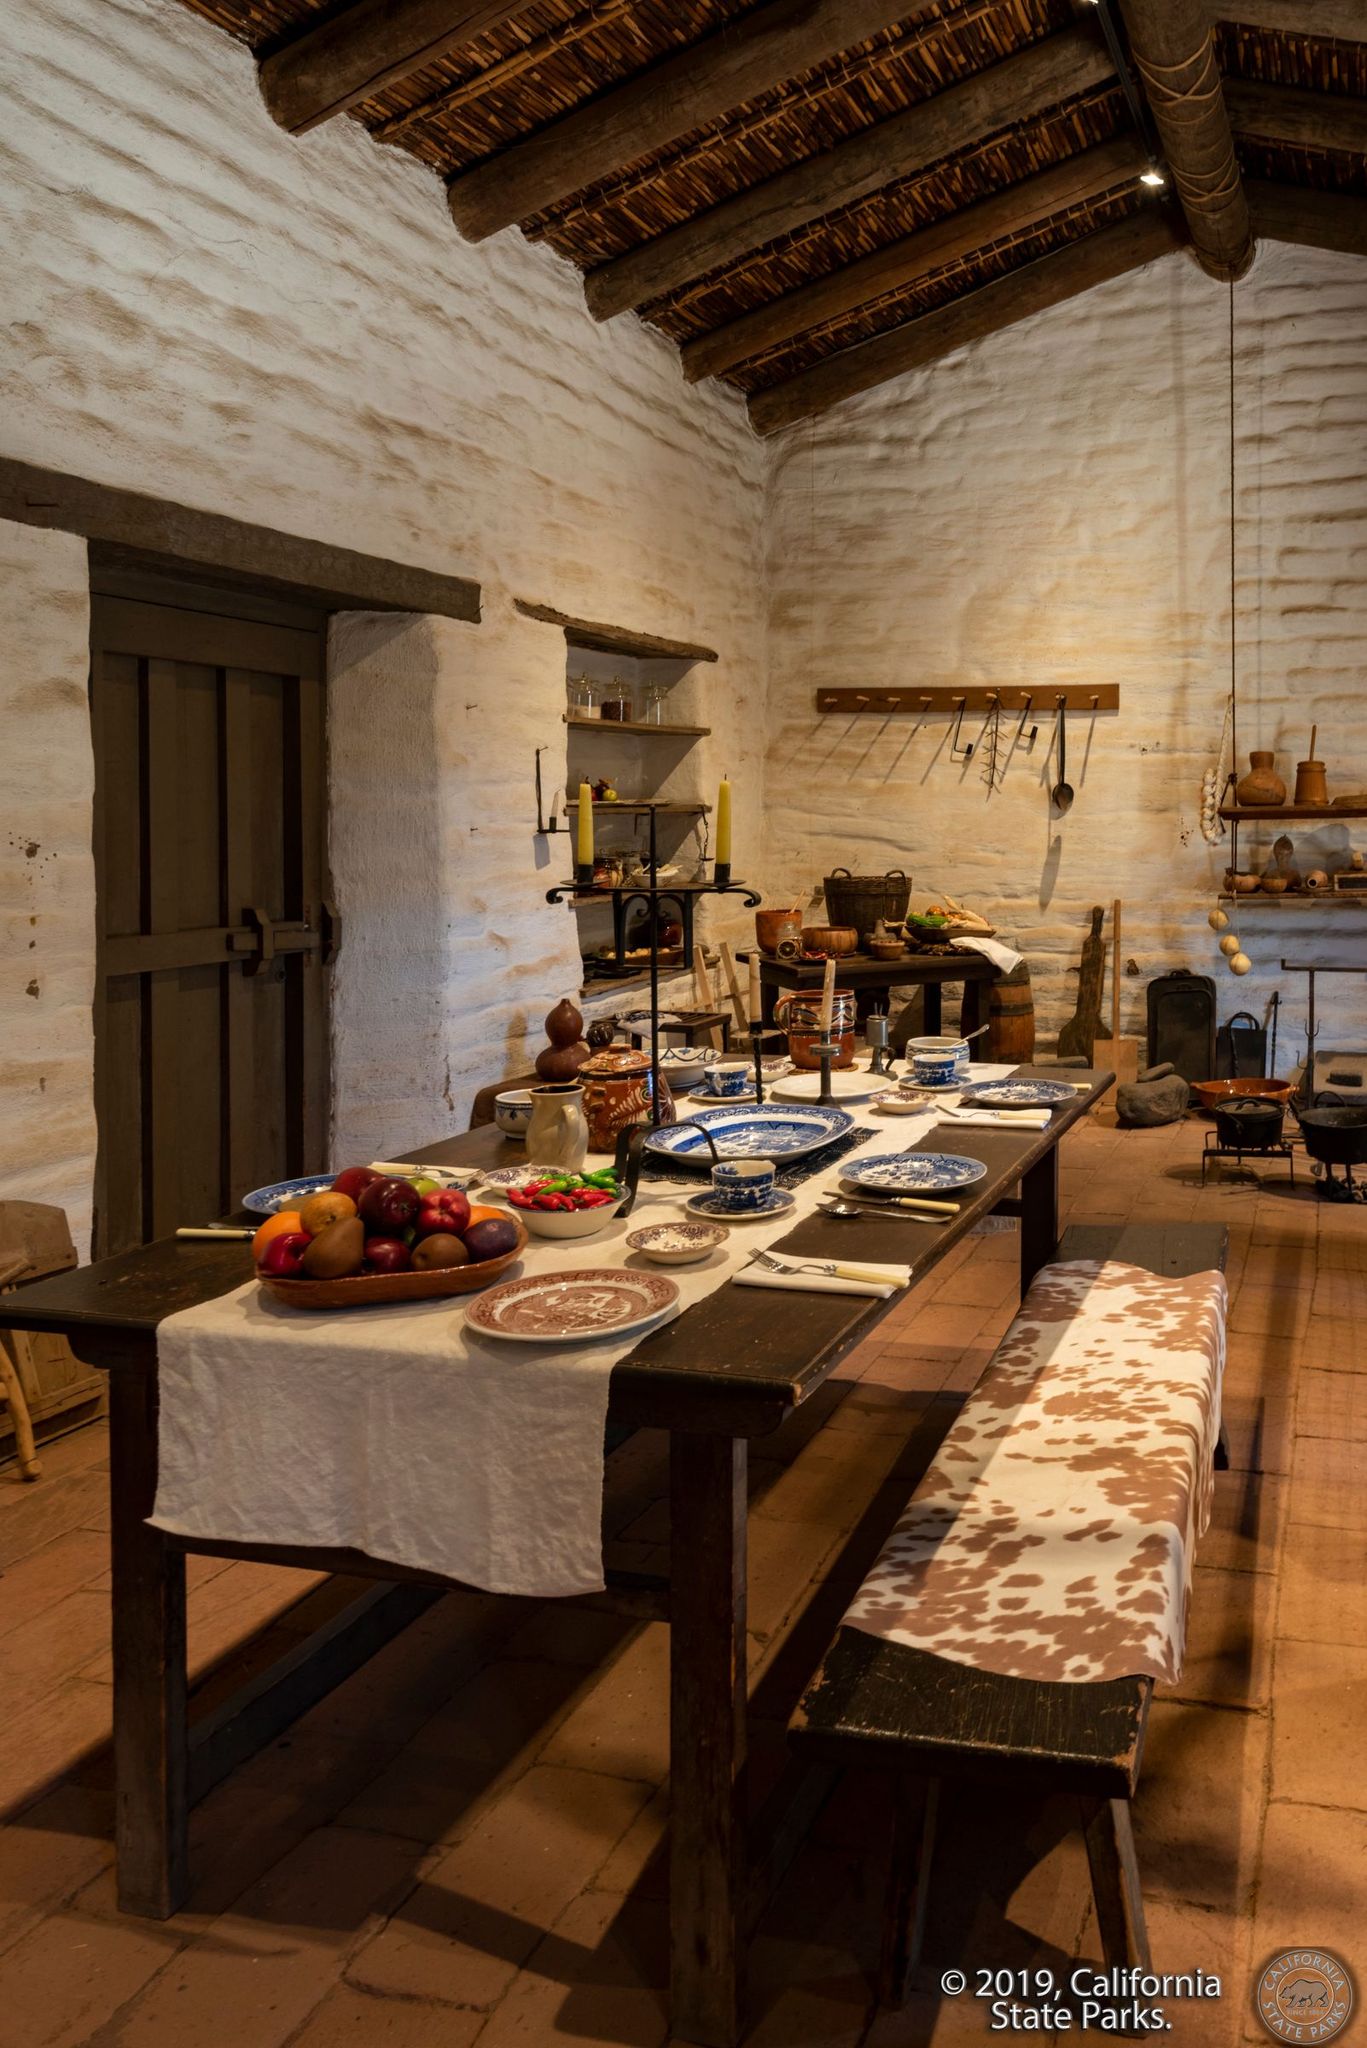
[[1020, 1094], [286, 1194], [906, 1173], [750, 1133]]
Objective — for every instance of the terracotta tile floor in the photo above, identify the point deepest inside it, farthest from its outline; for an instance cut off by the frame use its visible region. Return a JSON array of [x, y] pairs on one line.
[[462, 1844]]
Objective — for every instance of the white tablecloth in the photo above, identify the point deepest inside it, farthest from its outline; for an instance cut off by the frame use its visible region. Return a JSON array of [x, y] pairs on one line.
[[401, 1432]]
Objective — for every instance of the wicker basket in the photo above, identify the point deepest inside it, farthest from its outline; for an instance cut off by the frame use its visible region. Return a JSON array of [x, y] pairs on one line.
[[860, 900]]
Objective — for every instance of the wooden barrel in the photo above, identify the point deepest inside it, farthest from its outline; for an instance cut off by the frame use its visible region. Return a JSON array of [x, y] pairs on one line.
[[1011, 1017]]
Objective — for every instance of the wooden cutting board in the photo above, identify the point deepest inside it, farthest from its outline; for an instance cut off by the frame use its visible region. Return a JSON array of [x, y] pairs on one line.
[[1083, 1028]]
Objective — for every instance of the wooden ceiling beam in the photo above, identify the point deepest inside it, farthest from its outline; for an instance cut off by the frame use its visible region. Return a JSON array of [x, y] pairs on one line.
[[1174, 53], [1016, 89], [1048, 281], [373, 44], [1322, 220], [1020, 207], [1306, 120], [669, 99], [1344, 20]]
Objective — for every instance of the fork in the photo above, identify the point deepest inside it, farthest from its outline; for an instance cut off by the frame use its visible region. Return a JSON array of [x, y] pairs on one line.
[[831, 1268]]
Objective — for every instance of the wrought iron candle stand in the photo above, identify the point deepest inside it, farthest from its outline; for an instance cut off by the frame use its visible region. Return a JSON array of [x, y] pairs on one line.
[[720, 885]]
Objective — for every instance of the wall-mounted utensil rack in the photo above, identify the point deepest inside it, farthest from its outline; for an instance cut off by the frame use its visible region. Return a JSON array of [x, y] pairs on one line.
[[948, 698]]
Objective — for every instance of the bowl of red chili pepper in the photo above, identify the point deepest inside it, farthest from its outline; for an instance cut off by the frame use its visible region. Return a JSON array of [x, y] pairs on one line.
[[568, 1204]]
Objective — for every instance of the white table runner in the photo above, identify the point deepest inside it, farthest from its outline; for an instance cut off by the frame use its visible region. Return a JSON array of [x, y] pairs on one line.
[[401, 1432]]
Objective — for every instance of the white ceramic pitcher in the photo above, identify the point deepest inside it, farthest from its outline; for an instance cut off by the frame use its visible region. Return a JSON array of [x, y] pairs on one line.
[[558, 1134]]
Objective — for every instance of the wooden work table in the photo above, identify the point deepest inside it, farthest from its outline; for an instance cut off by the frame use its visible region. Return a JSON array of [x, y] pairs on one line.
[[729, 1369]]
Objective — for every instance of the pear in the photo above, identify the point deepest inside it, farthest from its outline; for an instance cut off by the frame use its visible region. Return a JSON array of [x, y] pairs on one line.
[[336, 1251]]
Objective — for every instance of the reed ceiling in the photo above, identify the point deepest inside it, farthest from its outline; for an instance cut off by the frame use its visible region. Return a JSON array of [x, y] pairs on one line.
[[776, 198]]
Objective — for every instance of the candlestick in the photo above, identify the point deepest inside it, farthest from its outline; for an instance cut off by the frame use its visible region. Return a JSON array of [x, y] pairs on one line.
[[754, 992], [828, 996], [584, 846], [723, 853]]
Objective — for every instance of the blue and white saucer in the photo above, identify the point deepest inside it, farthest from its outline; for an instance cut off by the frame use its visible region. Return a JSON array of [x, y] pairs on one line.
[[741, 1132], [908, 1173], [709, 1205], [1022, 1094]]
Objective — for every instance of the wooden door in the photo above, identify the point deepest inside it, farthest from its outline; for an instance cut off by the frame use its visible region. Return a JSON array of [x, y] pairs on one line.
[[211, 1021]]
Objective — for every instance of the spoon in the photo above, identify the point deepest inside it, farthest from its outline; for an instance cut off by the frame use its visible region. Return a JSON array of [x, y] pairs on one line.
[[1061, 795]]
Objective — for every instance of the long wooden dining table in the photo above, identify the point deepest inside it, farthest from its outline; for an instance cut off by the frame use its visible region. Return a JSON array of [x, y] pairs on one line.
[[728, 1370]]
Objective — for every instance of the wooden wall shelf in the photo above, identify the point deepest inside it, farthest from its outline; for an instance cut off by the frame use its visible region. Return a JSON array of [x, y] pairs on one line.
[[626, 809], [598, 638], [1321, 814], [667, 732], [947, 698], [1258, 899]]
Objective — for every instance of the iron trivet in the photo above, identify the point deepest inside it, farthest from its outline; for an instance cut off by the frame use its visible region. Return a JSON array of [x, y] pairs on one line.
[[1249, 1155]]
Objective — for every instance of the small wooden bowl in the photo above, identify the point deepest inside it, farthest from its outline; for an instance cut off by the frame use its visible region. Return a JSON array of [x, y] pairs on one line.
[[835, 939], [887, 949], [1242, 885], [363, 1290]]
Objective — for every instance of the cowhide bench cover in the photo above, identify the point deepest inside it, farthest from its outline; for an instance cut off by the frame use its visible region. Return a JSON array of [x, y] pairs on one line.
[[1053, 1536]]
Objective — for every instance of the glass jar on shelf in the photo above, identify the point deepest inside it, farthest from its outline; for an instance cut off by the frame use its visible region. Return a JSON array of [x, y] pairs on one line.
[[654, 697], [581, 696], [616, 702]]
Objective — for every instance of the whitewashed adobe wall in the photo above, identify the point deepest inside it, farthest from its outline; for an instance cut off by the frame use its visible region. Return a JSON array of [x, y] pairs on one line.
[[292, 332], [1050, 507], [47, 876]]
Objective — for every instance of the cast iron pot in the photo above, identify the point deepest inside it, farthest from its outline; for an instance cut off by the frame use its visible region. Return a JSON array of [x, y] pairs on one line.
[[1335, 1134], [1249, 1123]]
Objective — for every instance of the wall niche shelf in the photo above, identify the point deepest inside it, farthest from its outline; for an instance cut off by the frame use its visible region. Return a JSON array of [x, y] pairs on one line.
[[667, 732], [599, 638]]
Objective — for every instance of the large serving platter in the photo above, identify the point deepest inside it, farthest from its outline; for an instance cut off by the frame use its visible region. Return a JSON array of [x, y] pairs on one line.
[[572, 1308], [1022, 1094], [907, 1173], [741, 1132]]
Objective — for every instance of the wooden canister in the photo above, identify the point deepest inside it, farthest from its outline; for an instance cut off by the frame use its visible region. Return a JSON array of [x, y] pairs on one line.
[[1311, 787], [1011, 1017]]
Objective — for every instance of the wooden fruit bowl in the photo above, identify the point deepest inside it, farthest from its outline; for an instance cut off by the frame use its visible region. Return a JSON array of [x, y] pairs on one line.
[[363, 1290]]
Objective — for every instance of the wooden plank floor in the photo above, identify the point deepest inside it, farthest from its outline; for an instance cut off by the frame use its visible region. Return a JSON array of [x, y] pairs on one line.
[[461, 1844]]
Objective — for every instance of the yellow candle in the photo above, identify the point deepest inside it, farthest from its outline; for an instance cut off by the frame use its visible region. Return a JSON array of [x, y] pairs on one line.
[[585, 845], [724, 823], [754, 989], [827, 997]]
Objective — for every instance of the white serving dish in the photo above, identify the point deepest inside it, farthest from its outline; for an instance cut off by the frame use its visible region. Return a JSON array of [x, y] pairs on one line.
[[568, 1222]]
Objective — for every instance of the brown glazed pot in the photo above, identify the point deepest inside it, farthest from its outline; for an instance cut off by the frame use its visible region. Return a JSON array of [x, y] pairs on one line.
[[1261, 785], [616, 1086]]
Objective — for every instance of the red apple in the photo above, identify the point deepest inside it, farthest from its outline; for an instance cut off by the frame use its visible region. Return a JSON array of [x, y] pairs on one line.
[[388, 1206], [387, 1255], [284, 1255], [445, 1212], [354, 1180]]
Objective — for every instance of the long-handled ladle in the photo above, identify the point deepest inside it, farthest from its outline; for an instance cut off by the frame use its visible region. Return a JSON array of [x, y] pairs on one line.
[[1061, 795]]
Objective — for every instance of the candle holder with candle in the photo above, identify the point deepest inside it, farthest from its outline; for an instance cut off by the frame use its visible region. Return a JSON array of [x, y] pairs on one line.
[[653, 890]]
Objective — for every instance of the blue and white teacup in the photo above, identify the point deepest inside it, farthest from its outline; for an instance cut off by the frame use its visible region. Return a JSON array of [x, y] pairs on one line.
[[940, 1048], [934, 1069], [742, 1184], [727, 1077]]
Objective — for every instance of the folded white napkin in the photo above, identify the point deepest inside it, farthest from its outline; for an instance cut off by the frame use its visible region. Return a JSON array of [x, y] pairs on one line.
[[811, 1283], [1000, 1119], [1001, 956]]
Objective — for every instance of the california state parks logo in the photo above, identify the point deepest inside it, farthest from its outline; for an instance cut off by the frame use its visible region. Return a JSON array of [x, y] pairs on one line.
[[1304, 1994]]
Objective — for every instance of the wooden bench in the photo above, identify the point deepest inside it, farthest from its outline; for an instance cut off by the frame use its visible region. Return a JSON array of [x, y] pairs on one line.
[[882, 1705]]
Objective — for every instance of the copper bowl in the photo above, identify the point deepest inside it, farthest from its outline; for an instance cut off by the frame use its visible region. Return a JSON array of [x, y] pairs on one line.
[[1210, 1093]]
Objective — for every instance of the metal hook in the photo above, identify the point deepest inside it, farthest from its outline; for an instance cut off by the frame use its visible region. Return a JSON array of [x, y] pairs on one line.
[[1025, 713], [958, 753]]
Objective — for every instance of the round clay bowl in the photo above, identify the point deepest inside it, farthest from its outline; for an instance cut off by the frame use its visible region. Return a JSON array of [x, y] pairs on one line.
[[363, 1290], [1208, 1093]]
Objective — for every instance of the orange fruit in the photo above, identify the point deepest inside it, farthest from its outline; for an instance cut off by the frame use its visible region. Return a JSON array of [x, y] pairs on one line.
[[275, 1226]]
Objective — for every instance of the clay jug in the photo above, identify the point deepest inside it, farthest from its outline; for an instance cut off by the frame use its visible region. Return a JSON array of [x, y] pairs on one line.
[[617, 1094], [1261, 785], [558, 1134], [567, 1052]]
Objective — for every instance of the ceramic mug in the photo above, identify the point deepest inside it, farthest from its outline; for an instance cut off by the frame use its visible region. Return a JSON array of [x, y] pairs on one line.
[[939, 1048], [727, 1077], [741, 1184], [933, 1069]]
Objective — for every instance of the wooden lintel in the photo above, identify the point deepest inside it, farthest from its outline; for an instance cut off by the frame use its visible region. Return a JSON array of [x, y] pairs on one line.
[[1048, 281], [156, 532], [948, 699], [1345, 20], [1059, 68], [1305, 120], [1320, 220], [1034, 200], [646, 113], [354, 55], [624, 640], [1174, 53]]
